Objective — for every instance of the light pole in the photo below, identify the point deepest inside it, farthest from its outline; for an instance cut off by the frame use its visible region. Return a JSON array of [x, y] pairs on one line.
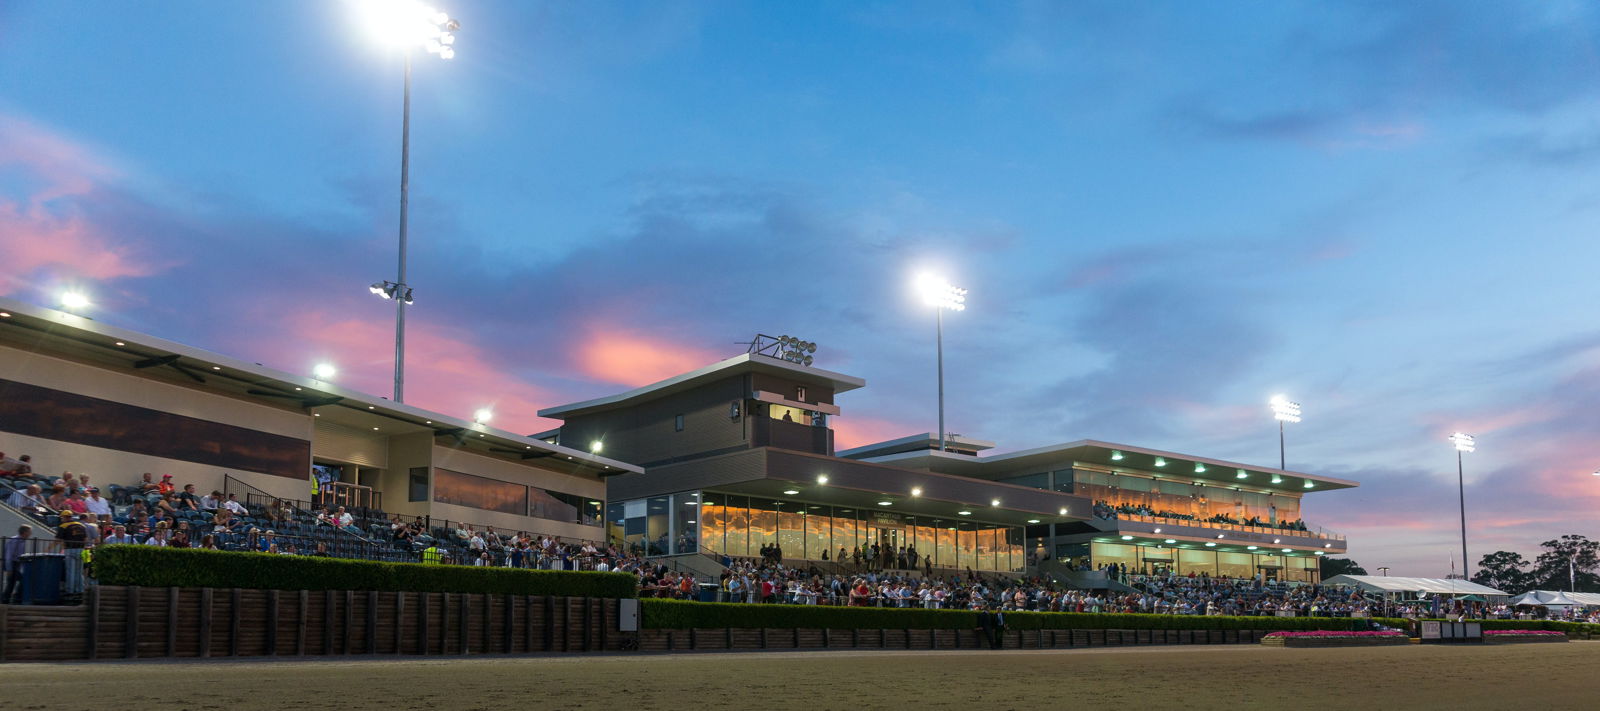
[[939, 294], [1283, 410], [1384, 569], [1464, 443], [407, 24]]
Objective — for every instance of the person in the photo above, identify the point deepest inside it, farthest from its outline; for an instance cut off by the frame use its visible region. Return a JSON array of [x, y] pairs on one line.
[[165, 486], [29, 498], [157, 538], [119, 535], [188, 500], [11, 564], [279, 511], [72, 535], [322, 550], [430, 555], [232, 504], [211, 501], [97, 506]]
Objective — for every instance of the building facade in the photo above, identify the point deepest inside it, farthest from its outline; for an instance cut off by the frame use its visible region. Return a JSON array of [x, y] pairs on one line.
[[81, 396]]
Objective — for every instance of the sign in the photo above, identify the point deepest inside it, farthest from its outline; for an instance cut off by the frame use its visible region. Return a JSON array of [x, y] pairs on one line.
[[1430, 630]]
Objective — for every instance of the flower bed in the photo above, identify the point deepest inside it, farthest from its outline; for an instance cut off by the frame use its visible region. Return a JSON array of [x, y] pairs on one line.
[[1521, 636], [1334, 638]]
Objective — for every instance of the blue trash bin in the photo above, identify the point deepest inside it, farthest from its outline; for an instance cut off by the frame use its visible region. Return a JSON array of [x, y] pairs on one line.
[[42, 576], [708, 592]]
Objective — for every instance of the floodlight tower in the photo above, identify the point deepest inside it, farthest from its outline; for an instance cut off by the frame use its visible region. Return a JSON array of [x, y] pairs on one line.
[[407, 25], [1283, 410], [1464, 443], [941, 295]]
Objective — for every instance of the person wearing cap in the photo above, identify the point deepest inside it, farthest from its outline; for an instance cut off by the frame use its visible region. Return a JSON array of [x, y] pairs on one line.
[[165, 487], [73, 535]]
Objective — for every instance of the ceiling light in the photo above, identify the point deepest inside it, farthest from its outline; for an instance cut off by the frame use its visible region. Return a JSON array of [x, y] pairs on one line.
[[1171, 540], [790, 492], [374, 429], [1160, 462], [1319, 552], [964, 513], [1310, 485], [1221, 536], [994, 502], [1242, 475], [1211, 544], [120, 343], [1249, 548], [1277, 479], [216, 367], [5, 314], [1127, 538], [822, 478], [1033, 520], [1063, 511], [1286, 550], [885, 503], [916, 491], [1116, 455], [1158, 530], [1199, 468]]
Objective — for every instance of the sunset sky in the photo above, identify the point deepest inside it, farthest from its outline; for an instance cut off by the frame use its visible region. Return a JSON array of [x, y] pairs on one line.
[[1165, 212]]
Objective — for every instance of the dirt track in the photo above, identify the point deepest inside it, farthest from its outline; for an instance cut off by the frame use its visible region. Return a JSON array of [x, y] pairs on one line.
[[1537, 676]]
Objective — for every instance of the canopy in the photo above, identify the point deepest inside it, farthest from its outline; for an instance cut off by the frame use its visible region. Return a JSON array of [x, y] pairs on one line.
[[1386, 584], [1555, 598]]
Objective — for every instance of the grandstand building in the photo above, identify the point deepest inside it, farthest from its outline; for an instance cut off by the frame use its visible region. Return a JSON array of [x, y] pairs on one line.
[[738, 456], [81, 396]]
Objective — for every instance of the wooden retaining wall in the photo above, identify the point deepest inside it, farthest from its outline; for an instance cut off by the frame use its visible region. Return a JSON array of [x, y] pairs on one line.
[[737, 638], [139, 623]]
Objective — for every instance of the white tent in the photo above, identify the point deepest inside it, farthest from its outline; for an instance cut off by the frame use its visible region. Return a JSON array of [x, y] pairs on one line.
[[1384, 584], [1556, 598]]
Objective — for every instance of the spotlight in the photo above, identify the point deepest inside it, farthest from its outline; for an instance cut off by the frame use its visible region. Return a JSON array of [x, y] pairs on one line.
[[323, 371], [916, 491], [482, 415], [74, 300], [822, 478]]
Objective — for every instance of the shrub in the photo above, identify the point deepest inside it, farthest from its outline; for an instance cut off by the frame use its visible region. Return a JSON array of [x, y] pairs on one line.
[[192, 567], [680, 614]]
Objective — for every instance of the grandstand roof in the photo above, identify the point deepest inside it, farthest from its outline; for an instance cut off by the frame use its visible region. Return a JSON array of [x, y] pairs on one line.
[[1387, 584], [1556, 598], [742, 363], [59, 334]]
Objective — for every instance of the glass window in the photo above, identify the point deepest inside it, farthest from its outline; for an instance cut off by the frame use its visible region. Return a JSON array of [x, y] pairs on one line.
[[657, 534], [945, 548], [713, 522], [1037, 481], [818, 530], [791, 531], [552, 505], [685, 524], [923, 534], [1063, 481], [615, 523], [1198, 562], [763, 525], [418, 485], [450, 487], [1104, 554], [738, 537], [844, 533], [1235, 565], [1012, 554], [967, 545]]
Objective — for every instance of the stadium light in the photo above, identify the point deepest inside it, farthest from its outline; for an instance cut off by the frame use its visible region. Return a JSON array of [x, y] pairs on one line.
[[323, 371], [822, 478], [596, 446], [1283, 410], [74, 300], [405, 25], [939, 294], [1464, 443], [916, 491], [482, 415]]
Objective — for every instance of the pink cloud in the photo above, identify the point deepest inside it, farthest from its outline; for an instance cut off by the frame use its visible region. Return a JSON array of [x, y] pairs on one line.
[[44, 234], [628, 358], [851, 432]]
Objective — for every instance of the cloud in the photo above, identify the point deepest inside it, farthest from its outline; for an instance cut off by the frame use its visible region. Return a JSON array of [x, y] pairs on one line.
[[46, 235], [850, 431], [632, 359]]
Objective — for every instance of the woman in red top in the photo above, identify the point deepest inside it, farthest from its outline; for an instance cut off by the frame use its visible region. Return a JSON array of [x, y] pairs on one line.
[[859, 594]]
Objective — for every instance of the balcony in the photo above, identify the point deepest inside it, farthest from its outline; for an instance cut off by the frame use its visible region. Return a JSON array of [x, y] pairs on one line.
[[1317, 533]]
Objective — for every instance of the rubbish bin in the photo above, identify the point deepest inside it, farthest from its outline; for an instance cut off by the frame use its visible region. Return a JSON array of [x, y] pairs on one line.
[[708, 592], [42, 575]]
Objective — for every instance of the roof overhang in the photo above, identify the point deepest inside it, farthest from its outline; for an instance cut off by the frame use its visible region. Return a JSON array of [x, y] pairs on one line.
[[925, 442], [1130, 458], [50, 332], [737, 365]]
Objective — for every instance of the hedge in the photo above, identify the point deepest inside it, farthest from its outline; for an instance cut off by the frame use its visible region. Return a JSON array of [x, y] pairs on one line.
[[192, 567], [680, 614]]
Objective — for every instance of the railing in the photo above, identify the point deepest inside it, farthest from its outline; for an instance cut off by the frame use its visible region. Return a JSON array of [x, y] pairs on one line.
[[1202, 523], [338, 493]]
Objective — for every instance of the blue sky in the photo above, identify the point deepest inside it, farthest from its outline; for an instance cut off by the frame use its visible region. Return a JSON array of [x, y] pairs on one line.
[[1166, 212]]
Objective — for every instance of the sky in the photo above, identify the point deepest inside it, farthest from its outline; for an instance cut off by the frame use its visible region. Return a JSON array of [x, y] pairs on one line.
[[1166, 212]]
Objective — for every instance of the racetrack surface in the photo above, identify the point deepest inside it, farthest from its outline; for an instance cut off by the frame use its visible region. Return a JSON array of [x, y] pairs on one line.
[[1531, 676]]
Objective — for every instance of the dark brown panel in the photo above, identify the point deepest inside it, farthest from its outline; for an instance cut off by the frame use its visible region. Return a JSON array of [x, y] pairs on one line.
[[67, 417]]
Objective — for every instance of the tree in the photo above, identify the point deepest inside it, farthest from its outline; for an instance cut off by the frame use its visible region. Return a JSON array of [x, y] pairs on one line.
[[1340, 566], [1504, 570], [1551, 570]]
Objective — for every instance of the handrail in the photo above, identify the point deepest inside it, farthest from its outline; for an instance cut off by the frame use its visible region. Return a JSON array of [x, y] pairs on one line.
[[1201, 523]]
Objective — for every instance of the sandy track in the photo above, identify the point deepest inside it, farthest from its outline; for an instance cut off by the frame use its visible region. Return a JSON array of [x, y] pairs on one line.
[[1538, 676]]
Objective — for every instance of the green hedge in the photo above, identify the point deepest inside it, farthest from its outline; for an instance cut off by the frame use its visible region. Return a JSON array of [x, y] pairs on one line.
[[680, 614], [192, 567]]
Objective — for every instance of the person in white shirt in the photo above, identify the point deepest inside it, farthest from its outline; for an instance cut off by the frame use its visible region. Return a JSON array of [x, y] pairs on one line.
[[343, 519], [232, 504], [26, 498], [96, 505], [158, 538], [211, 501]]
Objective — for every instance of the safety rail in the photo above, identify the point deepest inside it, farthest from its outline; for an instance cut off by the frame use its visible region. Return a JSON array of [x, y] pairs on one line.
[[1220, 526]]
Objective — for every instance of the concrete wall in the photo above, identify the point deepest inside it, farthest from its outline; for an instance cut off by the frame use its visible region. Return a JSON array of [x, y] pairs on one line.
[[644, 434]]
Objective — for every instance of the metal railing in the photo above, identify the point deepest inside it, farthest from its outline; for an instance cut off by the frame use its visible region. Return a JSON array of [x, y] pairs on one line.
[[1307, 532]]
